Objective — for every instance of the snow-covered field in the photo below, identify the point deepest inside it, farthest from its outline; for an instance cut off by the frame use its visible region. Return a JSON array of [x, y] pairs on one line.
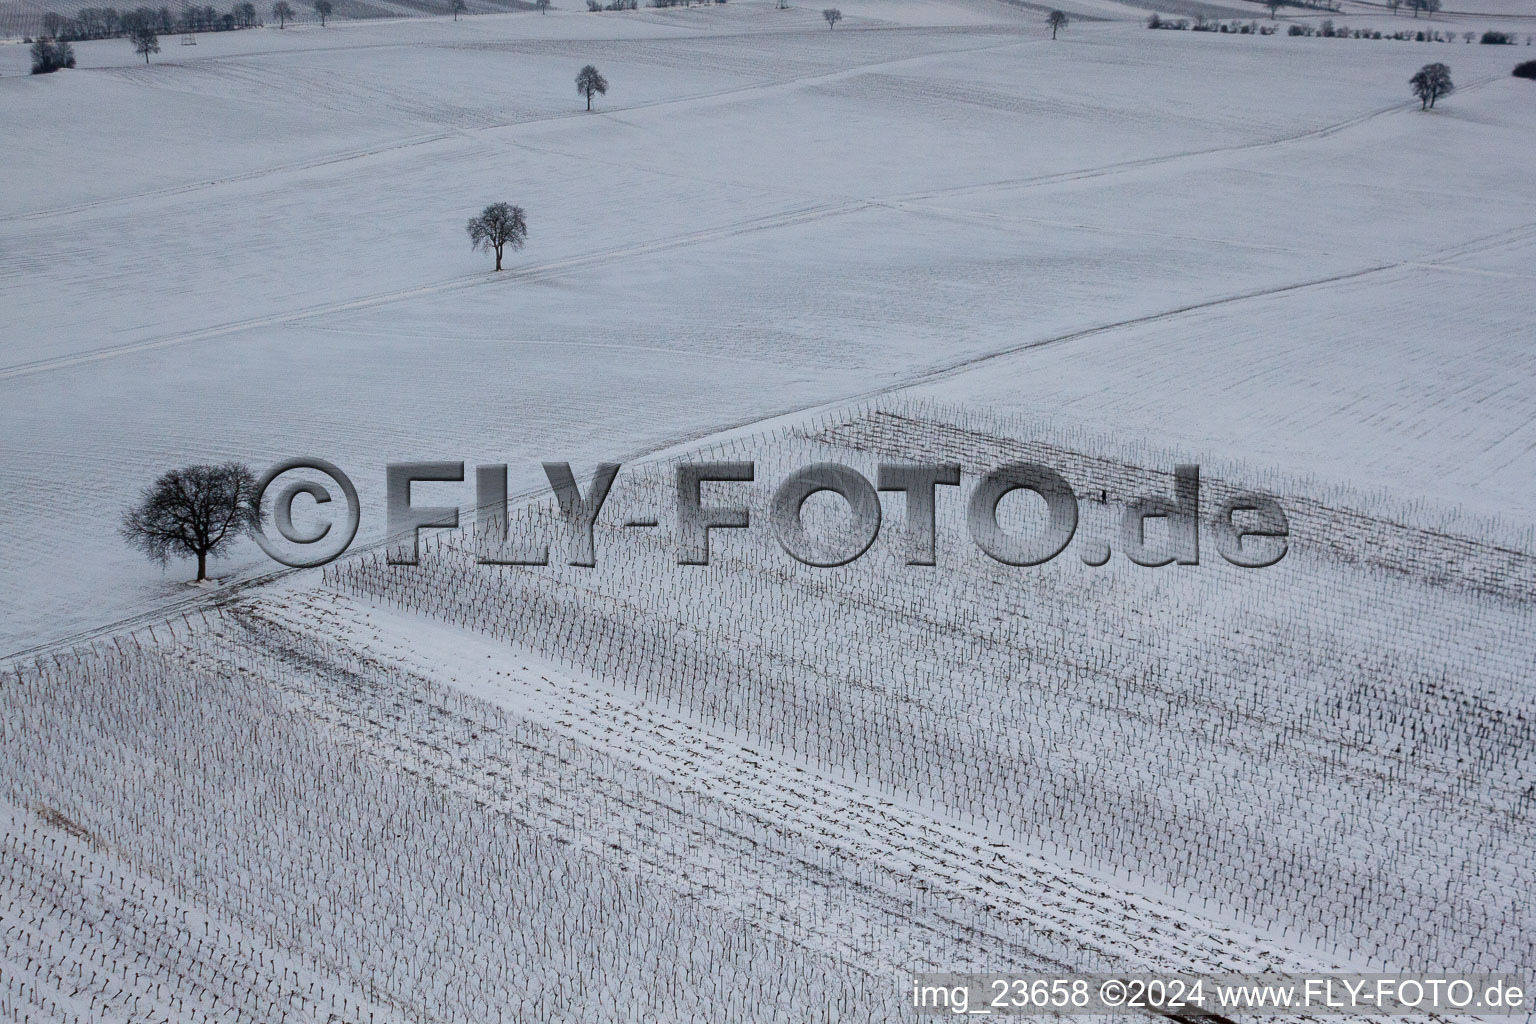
[[259, 252], [931, 232]]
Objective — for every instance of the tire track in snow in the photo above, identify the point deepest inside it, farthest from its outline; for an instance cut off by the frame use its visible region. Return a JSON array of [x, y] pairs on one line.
[[1059, 177], [232, 179], [404, 728], [547, 270], [537, 272], [257, 579], [980, 893], [543, 271], [779, 84], [195, 602], [985, 889], [463, 133]]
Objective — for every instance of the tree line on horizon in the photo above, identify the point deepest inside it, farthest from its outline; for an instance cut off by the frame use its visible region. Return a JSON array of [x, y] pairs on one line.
[[111, 23], [141, 22]]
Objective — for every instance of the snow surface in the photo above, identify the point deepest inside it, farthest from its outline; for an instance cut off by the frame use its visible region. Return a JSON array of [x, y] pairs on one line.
[[626, 793], [501, 795], [256, 250]]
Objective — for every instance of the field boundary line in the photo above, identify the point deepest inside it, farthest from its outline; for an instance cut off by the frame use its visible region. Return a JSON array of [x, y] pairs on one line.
[[532, 273], [363, 153]]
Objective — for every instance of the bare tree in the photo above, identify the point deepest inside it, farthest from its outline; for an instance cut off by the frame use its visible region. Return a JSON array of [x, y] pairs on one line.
[[589, 81], [833, 16], [459, 7], [1393, 5], [282, 12], [323, 8], [1429, 7], [144, 41], [1058, 20], [498, 226], [1274, 7], [1432, 82], [542, 5], [195, 510]]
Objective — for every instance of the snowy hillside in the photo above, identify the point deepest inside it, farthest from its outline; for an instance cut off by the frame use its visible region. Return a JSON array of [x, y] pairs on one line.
[[929, 232]]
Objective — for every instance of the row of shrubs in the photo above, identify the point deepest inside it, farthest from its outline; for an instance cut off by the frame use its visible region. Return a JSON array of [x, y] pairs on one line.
[[1328, 31], [1251, 28], [49, 56], [630, 5], [1203, 24]]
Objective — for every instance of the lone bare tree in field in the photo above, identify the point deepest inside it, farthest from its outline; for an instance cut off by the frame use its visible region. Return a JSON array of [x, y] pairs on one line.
[[1432, 82], [282, 12], [542, 5], [195, 510], [1274, 7], [833, 16], [498, 226], [459, 7], [144, 41], [1058, 20], [589, 81], [323, 8]]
